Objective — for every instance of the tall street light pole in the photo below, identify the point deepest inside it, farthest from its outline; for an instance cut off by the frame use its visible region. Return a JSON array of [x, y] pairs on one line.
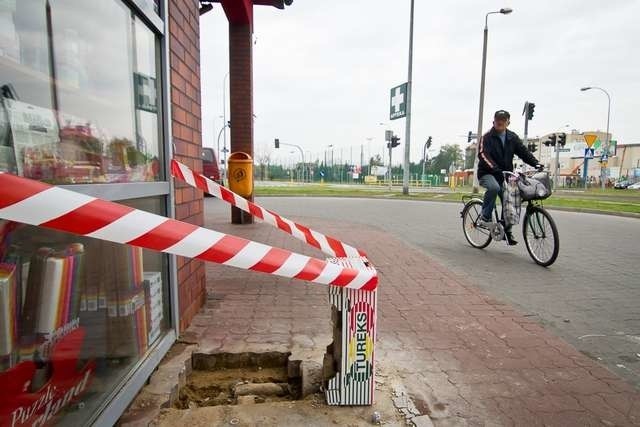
[[504, 11], [605, 149], [407, 131]]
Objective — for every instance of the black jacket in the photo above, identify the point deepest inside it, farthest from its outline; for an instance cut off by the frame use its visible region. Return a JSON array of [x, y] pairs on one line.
[[493, 158]]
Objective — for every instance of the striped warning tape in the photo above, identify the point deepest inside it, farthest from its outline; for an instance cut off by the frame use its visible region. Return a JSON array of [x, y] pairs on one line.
[[329, 245], [36, 203]]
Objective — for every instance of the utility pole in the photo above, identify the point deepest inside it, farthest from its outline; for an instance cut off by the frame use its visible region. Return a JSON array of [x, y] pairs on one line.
[[407, 131]]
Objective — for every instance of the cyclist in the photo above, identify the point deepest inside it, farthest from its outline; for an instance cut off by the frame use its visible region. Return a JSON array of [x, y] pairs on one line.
[[495, 152]]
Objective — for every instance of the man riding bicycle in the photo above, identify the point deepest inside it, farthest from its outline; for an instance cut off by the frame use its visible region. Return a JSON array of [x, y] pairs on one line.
[[495, 152]]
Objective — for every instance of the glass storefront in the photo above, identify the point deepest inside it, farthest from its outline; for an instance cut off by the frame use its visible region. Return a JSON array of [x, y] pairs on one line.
[[79, 87], [80, 103]]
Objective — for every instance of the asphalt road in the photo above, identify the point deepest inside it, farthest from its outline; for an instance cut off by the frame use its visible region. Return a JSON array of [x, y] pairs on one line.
[[590, 297]]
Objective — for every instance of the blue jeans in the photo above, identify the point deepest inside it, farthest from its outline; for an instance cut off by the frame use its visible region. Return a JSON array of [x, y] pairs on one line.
[[493, 189]]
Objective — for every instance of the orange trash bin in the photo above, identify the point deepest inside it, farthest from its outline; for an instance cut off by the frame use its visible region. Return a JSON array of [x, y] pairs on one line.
[[240, 173]]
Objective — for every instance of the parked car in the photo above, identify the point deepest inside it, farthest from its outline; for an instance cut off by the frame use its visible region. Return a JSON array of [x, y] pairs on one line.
[[210, 165], [635, 186], [621, 185]]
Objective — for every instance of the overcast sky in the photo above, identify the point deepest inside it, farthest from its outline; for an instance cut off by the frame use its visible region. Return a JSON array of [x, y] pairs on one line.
[[323, 71]]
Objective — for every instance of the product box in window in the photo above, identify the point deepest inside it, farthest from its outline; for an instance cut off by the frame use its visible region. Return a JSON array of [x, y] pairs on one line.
[[153, 298], [127, 318]]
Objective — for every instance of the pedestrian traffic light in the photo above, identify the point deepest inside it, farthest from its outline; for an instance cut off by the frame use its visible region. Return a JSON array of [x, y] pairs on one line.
[[530, 107], [277, 142], [562, 139]]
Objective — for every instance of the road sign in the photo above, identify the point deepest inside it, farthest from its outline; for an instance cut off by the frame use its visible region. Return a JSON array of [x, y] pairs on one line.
[[590, 139], [398, 102], [588, 153]]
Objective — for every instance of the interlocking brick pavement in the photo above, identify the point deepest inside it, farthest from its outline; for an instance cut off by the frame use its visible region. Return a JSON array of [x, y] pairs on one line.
[[447, 342]]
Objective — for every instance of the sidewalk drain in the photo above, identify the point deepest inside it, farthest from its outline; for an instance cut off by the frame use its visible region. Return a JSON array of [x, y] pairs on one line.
[[240, 378]]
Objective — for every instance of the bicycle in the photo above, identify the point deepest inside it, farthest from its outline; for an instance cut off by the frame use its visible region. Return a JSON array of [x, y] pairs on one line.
[[538, 228]]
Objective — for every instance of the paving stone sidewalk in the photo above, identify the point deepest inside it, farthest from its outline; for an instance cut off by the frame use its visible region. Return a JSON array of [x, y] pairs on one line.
[[463, 357]]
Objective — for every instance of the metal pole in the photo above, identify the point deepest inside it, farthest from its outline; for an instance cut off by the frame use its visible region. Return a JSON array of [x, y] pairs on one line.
[[476, 184], [424, 158], [526, 123], [390, 176], [606, 147], [224, 127], [407, 131], [557, 168]]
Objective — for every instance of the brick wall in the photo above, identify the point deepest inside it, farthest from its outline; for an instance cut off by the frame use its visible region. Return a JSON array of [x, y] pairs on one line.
[[184, 33]]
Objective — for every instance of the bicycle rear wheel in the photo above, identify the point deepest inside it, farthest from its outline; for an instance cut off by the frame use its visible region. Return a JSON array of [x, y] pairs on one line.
[[541, 236], [477, 236]]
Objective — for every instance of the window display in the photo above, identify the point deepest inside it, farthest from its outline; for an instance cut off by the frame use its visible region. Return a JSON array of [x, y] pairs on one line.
[[80, 103], [76, 314], [79, 93]]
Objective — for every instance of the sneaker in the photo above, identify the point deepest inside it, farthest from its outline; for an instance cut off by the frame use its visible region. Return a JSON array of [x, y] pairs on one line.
[[510, 240], [485, 223]]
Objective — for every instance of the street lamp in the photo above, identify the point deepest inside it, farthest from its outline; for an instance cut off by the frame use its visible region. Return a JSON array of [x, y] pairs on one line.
[[504, 11], [605, 149]]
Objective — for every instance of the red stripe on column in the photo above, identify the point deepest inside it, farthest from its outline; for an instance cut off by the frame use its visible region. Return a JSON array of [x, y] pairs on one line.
[[201, 182], [272, 261], [371, 285], [227, 196], [337, 247], [89, 218], [165, 235], [308, 236], [15, 189], [345, 277], [224, 250], [312, 270], [255, 210]]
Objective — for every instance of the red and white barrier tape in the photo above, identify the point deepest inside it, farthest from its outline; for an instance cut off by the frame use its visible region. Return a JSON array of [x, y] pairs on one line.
[[329, 245], [33, 202]]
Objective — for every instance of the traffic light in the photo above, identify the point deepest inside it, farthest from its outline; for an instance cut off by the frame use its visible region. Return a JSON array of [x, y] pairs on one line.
[[562, 139], [530, 107], [394, 142], [428, 142], [551, 140], [277, 142], [469, 136]]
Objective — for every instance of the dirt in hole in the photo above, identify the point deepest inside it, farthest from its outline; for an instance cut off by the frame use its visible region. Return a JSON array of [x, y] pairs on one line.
[[237, 386]]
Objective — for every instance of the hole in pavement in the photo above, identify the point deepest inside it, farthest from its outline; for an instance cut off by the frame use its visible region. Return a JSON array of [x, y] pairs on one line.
[[240, 378]]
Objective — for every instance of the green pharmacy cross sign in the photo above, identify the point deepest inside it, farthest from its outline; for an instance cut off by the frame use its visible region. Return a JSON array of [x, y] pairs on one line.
[[398, 102]]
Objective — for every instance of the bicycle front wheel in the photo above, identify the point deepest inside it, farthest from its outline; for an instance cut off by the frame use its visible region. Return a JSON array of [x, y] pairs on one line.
[[541, 236], [477, 236]]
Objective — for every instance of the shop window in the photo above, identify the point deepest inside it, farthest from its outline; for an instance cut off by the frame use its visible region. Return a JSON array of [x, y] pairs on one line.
[[80, 93], [76, 315]]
